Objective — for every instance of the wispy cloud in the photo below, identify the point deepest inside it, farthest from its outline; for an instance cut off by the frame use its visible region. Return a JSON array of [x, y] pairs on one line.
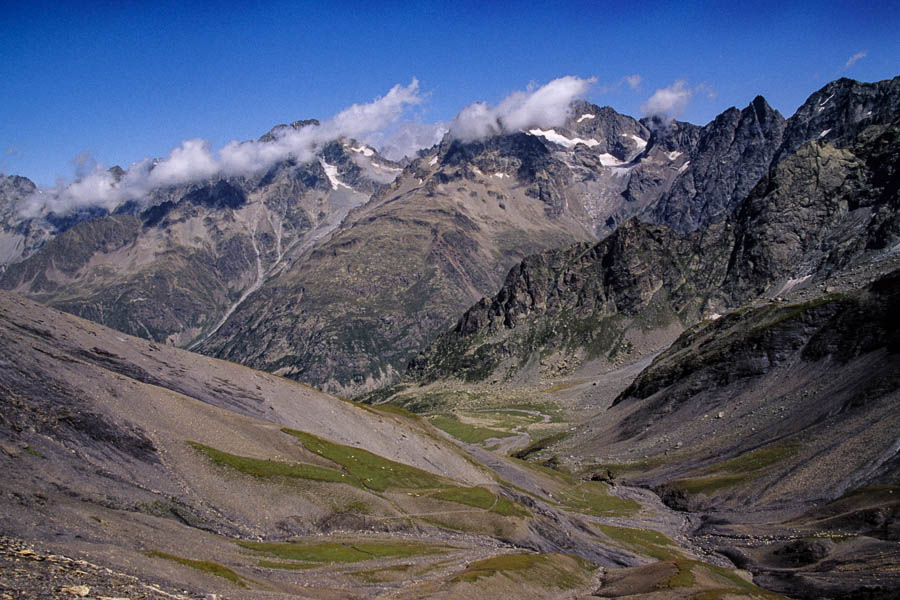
[[11, 152], [405, 138], [632, 81], [854, 59], [546, 106], [84, 164], [707, 90], [194, 160]]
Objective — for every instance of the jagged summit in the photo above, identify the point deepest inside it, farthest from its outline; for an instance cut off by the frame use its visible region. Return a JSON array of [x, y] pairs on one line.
[[814, 214], [839, 111], [722, 162], [18, 238], [273, 133]]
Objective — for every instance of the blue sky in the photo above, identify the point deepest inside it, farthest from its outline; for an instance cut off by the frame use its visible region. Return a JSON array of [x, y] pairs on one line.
[[122, 81]]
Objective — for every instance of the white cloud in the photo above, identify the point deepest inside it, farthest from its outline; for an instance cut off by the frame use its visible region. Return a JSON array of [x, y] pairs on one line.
[[194, 161], [853, 59], [189, 162], [545, 107], [474, 122], [84, 164], [406, 138], [669, 101], [364, 118]]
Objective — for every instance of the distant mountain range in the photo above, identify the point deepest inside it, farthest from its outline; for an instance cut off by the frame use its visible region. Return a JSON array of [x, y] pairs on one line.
[[649, 359], [337, 272]]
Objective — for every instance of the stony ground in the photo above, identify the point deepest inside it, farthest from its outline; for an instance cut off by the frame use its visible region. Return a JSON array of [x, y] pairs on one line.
[[66, 486], [29, 573]]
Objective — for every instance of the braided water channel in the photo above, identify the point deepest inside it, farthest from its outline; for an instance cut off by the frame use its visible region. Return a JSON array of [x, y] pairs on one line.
[[558, 529]]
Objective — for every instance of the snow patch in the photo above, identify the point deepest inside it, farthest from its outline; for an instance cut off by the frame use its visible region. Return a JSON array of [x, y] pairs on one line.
[[641, 142], [500, 175], [824, 102], [792, 283], [386, 168], [433, 161], [477, 171], [621, 170], [714, 317], [824, 133], [683, 167], [364, 150], [331, 172], [556, 138], [608, 160], [585, 116], [673, 154]]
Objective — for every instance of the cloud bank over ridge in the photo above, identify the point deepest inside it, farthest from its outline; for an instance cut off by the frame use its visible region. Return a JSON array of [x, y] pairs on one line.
[[383, 123], [194, 160]]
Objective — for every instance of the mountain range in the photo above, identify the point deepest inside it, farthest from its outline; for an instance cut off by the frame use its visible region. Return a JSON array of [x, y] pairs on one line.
[[198, 265], [675, 353]]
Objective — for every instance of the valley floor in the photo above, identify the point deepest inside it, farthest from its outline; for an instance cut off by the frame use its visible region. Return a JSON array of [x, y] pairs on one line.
[[187, 477]]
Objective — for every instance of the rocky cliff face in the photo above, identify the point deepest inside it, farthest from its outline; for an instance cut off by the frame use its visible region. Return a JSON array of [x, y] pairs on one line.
[[730, 155], [18, 238], [840, 327], [171, 270], [589, 300], [719, 170], [840, 111], [404, 265], [819, 211]]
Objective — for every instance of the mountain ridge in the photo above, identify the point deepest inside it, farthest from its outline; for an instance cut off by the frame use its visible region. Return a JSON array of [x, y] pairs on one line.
[[490, 203], [690, 366], [817, 211]]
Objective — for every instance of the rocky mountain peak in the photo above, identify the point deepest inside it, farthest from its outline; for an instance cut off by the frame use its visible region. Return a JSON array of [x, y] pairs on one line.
[[117, 173], [520, 155], [761, 109], [670, 135], [15, 184], [614, 133], [273, 133], [521, 146], [724, 160], [839, 111], [18, 237]]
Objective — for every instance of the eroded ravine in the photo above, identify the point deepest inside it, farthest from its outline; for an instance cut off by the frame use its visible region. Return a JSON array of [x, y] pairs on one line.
[[345, 202]]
